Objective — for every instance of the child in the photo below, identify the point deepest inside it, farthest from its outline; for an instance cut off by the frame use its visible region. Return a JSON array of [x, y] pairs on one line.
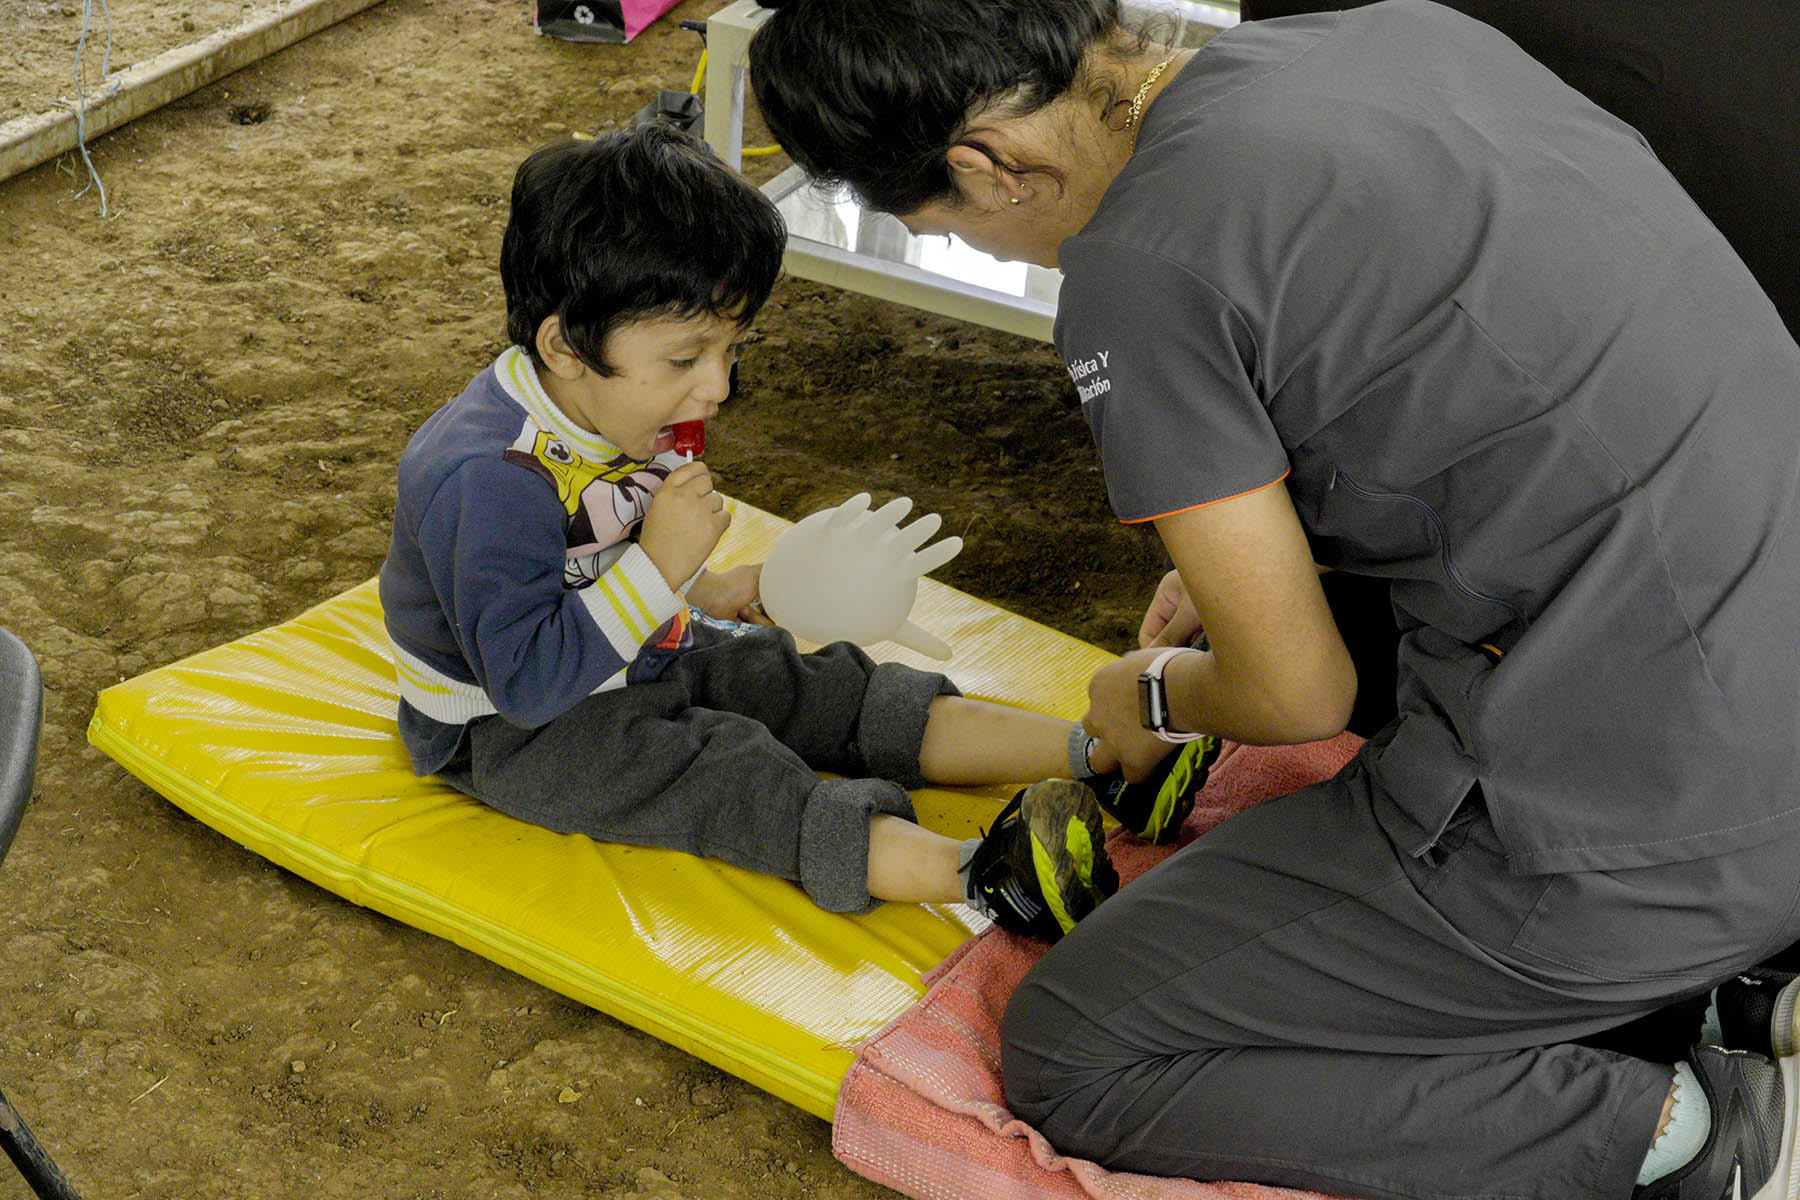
[[565, 656]]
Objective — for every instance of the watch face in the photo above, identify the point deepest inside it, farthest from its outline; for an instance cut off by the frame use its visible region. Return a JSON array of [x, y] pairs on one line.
[[1149, 702]]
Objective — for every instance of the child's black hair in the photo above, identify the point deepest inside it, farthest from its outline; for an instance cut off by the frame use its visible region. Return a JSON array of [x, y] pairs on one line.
[[640, 223]]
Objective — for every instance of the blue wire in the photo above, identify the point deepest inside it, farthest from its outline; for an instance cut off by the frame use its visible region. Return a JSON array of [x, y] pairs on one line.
[[87, 12]]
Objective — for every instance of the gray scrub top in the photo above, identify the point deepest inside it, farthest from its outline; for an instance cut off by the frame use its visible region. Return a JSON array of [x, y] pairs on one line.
[[1501, 359]]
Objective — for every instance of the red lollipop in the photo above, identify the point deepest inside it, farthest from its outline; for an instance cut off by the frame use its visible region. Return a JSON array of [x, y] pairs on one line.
[[690, 438]]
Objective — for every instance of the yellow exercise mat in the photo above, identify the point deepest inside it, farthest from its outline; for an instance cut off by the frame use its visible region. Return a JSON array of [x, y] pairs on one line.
[[285, 742]]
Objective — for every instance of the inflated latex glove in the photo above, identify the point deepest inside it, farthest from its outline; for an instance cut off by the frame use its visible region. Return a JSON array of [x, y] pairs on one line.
[[851, 574]]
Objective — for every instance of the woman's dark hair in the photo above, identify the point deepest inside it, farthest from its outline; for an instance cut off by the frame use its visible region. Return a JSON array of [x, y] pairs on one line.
[[639, 223], [871, 93]]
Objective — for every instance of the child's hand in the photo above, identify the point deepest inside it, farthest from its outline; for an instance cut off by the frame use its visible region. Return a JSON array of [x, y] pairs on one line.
[[686, 519], [729, 595]]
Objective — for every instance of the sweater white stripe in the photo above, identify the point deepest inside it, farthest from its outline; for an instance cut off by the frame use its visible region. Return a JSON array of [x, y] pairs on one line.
[[518, 379], [451, 701], [630, 601], [437, 695]]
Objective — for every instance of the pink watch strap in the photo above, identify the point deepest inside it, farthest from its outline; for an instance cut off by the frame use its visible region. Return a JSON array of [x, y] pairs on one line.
[[1155, 671]]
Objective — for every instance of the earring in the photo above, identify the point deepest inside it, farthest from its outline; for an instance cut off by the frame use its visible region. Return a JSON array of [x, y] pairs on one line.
[[1012, 199]]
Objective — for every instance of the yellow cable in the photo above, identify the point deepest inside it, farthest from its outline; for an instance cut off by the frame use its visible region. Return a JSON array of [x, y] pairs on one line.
[[694, 89]]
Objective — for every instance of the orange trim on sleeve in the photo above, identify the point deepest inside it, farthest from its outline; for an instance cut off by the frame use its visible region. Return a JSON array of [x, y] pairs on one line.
[[1208, 504]]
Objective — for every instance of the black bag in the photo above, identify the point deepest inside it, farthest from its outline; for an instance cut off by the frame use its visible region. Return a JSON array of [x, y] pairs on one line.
[[581, 20]]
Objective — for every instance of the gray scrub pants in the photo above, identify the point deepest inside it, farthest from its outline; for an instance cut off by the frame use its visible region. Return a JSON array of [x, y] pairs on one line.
[[717, 757], [1294, 1000]]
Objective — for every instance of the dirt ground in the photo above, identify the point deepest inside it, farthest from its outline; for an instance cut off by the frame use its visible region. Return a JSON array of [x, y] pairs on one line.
[[202, 399]]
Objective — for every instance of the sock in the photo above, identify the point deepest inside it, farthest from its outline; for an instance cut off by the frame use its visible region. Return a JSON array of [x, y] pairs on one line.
[[965, 863], [1080, 746], [1711, 1032], [1021, 902], [1690, 1121]]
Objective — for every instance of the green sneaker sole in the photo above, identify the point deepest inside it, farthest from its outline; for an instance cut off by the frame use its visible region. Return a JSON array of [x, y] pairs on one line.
[[1074, 873]]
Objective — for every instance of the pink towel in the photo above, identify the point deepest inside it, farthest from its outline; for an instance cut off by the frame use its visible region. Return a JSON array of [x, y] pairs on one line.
[[921, 1110]]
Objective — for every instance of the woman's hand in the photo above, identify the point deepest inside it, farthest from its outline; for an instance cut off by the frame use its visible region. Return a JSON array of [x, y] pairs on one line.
[[686, 520], [1171, 619], [730, 595], [1112, 717], [1277, 671]]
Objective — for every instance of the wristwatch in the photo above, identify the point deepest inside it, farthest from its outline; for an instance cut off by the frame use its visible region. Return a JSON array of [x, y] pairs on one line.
[[1153, 703]]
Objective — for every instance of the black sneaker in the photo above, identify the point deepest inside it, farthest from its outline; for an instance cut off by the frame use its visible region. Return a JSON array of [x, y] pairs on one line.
[[1042, 866], [1757, 1012], [1784, 960], [1749, 1154], [1155, 807]]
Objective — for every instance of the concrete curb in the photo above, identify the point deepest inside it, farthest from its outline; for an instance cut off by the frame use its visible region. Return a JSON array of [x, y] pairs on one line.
[[28, 141]]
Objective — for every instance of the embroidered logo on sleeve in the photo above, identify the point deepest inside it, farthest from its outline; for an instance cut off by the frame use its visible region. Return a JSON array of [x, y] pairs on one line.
[[1090, 375]]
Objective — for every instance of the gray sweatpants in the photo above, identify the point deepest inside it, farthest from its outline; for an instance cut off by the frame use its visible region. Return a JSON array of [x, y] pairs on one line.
[[717, 757], [1294, 1000]]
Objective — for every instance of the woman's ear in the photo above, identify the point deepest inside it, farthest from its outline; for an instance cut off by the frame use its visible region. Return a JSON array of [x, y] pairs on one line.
[[558, 356], [967, 162], [979, 177]]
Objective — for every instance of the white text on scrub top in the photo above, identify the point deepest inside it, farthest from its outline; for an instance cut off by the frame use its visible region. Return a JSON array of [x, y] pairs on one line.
[[1086, 368]]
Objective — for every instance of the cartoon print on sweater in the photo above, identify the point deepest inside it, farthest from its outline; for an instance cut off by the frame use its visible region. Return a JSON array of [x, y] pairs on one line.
[[606, 502]]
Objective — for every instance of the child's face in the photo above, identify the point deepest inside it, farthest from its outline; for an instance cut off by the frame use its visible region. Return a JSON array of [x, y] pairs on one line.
[[665, 370]]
